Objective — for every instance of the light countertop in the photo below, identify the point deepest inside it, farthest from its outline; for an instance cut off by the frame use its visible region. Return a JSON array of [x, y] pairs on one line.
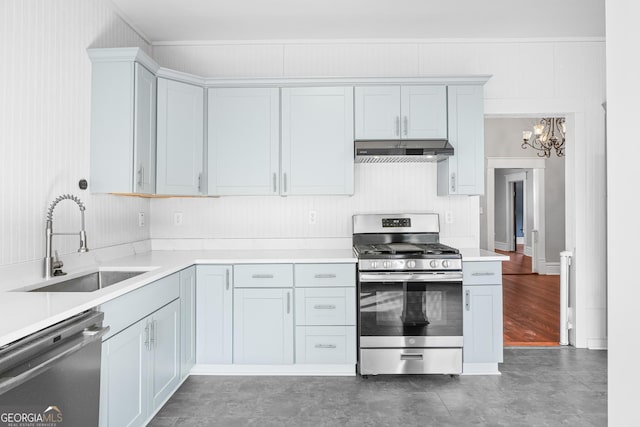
[[475, 254], [24, 313]]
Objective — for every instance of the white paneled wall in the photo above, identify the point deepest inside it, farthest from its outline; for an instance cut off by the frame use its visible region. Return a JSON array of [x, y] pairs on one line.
[[383, 188], [44, 126]]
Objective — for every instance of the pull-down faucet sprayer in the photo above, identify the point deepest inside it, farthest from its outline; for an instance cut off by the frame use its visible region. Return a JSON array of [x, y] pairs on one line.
[[54, 267]]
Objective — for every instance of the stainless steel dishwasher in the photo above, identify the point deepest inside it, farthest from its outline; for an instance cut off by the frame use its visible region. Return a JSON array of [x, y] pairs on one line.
[[52, 377]]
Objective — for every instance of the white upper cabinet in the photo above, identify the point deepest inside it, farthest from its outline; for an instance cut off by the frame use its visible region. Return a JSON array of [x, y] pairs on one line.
[[244, 141], [123, 127], [377, 112], [401, 112], [180, 135], [463, 173], [317, 141]]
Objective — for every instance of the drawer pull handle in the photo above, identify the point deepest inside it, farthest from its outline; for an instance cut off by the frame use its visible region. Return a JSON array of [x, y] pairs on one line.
[[324, 307], [262, 276], [325, 276], [467, 300], [411, 357], [483, 273], [325, 346]]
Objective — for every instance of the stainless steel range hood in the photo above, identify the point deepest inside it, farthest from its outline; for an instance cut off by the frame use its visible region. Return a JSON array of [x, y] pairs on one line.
[[402, 150]]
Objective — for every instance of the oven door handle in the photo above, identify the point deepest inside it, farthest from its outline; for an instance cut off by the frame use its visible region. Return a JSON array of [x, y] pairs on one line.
[[410, 277]]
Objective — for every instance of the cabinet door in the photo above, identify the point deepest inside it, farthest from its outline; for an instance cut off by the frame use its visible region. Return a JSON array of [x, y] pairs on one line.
[[180, 138], [424, 111], [187, 320], [113, 96], [263, 326], [165, 343], [377, 112], [214, 314], [317, 140], [482, 324], [244, 141], [124, 377], [463, 173], [145, 131]]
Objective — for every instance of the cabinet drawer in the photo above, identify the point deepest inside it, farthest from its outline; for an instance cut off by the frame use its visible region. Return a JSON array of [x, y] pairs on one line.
[[325, 306], [326, 344], [313, 275], [129, 308], [482, 273], [263, 275]]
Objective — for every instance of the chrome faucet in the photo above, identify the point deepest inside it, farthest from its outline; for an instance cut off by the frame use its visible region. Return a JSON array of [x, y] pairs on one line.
[[54, 267]]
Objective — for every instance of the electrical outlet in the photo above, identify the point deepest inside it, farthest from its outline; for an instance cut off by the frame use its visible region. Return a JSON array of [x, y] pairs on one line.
[[448, 217], [313, 216], [140, 219], [177, 218]]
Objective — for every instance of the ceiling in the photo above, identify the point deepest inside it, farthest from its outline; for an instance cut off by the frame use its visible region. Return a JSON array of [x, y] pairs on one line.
[[215, 20]]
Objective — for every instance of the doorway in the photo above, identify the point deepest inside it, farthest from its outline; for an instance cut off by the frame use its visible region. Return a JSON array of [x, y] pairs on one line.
[[515, 190], [517, 187]]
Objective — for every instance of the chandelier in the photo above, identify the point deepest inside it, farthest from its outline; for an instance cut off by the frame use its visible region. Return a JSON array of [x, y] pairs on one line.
[[545, 138]]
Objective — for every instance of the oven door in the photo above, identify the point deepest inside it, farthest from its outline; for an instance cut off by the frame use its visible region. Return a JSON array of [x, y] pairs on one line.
[[410, 310]]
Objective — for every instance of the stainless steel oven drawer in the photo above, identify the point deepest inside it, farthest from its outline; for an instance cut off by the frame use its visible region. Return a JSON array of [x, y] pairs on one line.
[[410, 361]]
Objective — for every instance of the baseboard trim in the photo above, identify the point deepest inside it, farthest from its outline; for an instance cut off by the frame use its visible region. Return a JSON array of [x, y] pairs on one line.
[[597, 344], [552, 268], [480, 369], [282, 370], [501, 246]]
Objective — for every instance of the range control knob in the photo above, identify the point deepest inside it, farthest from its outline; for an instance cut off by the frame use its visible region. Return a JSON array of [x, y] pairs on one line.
[[433, 263], [411, 264], [386, 264], [445, 264], [374, 264]]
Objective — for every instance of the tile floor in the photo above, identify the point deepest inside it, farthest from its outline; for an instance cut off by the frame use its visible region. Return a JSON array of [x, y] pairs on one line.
[[538, 387]]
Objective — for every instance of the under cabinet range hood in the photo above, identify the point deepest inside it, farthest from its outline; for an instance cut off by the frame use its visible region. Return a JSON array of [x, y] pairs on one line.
[[402, 151]]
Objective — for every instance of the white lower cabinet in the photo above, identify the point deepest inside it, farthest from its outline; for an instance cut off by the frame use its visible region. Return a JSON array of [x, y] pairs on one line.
[[325, 314], [124, 377], [214, 314], [263, 326], [482, 317], [140, 368], [141, 353], [164, 349]]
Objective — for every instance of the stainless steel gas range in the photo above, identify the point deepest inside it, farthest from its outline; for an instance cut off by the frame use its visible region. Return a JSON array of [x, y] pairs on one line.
[[409, 296]]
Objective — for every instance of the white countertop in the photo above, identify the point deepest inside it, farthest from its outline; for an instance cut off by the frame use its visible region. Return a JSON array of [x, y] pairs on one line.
[[23, 313], [475, 254]]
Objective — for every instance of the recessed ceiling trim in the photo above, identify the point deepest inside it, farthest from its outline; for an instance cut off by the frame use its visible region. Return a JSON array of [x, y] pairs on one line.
[[382, 41]]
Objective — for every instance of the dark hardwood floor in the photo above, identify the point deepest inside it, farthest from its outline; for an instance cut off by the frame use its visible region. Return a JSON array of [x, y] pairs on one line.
[[531, 304]]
